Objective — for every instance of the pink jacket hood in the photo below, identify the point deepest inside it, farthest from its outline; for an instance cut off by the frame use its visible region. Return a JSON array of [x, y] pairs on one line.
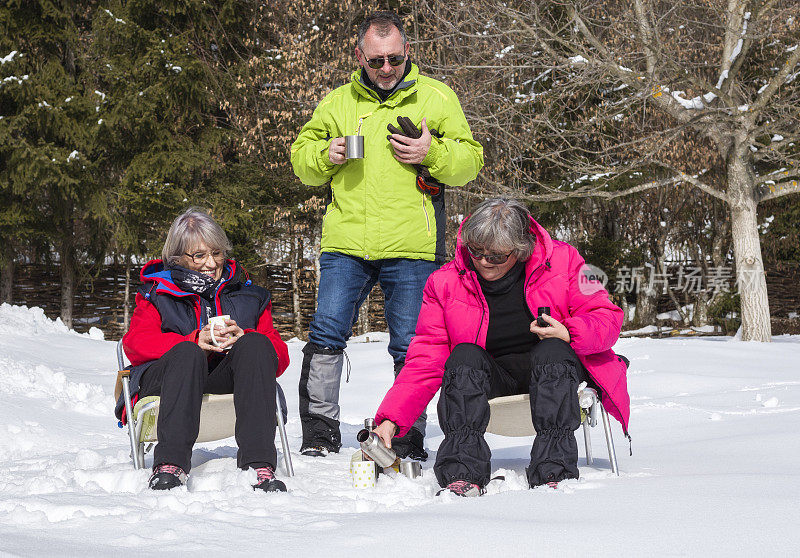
[[454, 311]]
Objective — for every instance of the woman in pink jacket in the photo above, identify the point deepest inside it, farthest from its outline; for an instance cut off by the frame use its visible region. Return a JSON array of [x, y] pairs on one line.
[[477, 338]]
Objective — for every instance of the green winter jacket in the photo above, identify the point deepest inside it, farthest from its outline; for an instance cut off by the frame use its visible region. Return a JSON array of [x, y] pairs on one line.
[[377, 211]]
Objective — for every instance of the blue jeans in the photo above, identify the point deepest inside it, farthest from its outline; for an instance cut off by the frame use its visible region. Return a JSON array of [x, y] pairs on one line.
[[345, 281]]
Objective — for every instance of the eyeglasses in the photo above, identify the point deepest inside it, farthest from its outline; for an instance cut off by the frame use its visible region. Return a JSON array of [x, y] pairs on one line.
[[393, 59], [494, 259], [200, 257]]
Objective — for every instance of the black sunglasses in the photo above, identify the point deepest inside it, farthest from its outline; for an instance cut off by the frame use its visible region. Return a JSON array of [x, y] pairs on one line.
[[394, 60], [494, 259]]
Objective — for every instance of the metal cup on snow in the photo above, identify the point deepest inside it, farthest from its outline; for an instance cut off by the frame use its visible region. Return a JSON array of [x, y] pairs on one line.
[[411, 469]]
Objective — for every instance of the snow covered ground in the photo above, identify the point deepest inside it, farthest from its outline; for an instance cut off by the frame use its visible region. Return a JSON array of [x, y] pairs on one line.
[[714, 471]]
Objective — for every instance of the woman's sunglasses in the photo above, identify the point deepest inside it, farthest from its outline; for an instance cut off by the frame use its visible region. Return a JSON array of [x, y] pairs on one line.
[[494, 259], [394, 60]]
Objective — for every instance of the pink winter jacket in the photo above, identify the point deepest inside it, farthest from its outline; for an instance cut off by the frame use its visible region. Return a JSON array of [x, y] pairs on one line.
[[454, 311]]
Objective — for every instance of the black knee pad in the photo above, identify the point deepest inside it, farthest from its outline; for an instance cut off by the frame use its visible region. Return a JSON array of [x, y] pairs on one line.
[[468, 354], [553, 350]]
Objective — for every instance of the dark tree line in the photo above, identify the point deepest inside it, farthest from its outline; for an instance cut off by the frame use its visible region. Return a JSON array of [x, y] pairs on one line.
[[647, 133]]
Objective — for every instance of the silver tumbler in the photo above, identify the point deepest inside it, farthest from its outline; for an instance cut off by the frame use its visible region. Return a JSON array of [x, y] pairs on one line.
[[411, 469]]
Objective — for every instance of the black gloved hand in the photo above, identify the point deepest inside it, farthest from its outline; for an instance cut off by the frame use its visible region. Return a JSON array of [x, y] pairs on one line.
[[407, 128], [425, 181]]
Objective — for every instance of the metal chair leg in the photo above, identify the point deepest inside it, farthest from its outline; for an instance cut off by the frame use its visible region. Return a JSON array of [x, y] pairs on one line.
[[587, 442], [287, 457], [126, 390], [612, 453]]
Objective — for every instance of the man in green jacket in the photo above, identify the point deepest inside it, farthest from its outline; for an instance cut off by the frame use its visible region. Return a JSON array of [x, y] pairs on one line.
[[383, 225]]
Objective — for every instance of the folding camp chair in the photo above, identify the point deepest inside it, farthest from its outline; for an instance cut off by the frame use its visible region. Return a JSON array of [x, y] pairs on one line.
[[511, 416], [217, 419]]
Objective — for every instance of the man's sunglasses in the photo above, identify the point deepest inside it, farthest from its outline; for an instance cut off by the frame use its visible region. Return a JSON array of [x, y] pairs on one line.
[[494, 259], [394, 60]]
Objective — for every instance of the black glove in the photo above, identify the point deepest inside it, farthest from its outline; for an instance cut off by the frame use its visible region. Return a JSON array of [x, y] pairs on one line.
[[425, 181]]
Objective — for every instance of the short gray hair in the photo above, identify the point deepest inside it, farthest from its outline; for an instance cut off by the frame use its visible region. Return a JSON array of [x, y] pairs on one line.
[[383, 23], [189, 228], [500, 224]]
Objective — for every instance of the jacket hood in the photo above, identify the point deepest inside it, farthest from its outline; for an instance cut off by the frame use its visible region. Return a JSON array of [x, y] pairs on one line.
[[402, 89], [541, 252], [155, 272]]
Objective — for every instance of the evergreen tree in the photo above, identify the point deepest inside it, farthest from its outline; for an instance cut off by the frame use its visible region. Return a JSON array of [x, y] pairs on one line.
[[46, 139]]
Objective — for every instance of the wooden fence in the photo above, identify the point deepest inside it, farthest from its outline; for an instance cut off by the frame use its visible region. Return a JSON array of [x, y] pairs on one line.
[[99, 299]]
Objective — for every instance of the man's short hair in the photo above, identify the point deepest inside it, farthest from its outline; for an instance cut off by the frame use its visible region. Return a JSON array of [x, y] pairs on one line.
[[383, 23]]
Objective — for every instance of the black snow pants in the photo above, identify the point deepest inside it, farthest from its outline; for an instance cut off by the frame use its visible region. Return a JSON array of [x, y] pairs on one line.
[[550, 373], [182, 376]]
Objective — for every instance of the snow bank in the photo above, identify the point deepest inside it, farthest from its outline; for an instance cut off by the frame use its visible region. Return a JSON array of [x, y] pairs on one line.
[[714, 427]]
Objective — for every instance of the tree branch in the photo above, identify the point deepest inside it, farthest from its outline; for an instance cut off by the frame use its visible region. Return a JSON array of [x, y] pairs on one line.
[[647, 39], [778, 191], [772, 87]]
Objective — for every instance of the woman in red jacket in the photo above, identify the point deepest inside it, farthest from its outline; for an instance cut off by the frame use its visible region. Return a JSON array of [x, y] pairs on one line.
[[173, 355], [477, 338]]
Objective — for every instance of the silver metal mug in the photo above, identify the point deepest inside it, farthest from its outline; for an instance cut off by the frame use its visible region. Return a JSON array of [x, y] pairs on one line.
[[354, 147], [411, 469], [369, 424]]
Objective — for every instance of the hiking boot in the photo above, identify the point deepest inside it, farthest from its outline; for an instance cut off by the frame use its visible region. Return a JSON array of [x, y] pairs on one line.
[[166, 477], [410, 446], [267, 481], [463, 488], [315, 451]]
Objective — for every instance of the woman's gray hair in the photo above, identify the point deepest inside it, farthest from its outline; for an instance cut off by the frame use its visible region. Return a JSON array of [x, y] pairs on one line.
[[191, 227], [499, 225]]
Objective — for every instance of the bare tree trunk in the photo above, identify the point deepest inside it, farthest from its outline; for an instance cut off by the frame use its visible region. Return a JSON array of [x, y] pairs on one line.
[[363, 317], [646, 304], [626, 311], [7, 273], [67, 273], [293, 259], [750, 278], [700, 315], [684, 318], [126, 303]]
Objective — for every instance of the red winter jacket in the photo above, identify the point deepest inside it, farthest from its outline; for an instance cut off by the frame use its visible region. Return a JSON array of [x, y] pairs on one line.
[[146, 339], [165, 316], [454, 311]]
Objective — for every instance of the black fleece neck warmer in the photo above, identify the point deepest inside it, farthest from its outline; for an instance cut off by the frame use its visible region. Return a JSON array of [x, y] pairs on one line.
[[193, 282], [384, 93]]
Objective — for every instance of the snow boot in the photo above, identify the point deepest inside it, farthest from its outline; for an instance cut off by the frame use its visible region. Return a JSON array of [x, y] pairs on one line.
[[410, 446], [267, 481], [463, 488], [166, 477], [320, 376], [315, 451]]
